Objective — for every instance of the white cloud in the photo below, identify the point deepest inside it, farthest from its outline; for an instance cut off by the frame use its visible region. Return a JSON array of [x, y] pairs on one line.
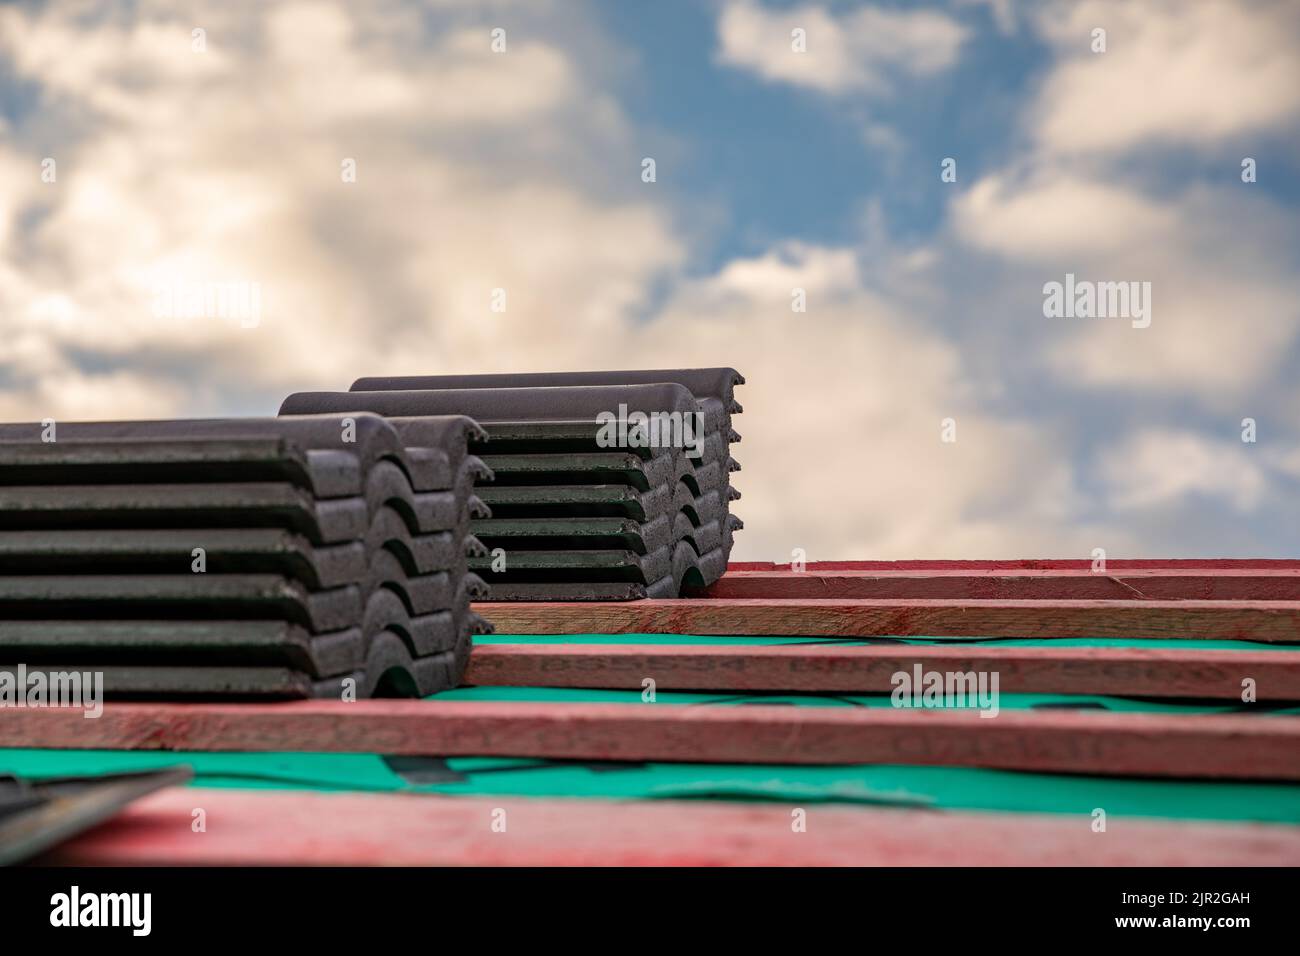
[[1225, 305], [860, 50], [1159, 467], [325, 62], [842, 426], [1084, 199], [66, 393], [1047, 217], [1174, 72], [478, 171], [475, 171]]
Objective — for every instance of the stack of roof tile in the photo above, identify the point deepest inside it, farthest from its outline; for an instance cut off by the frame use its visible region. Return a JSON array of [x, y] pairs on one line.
[[280, 557], [583, 506]]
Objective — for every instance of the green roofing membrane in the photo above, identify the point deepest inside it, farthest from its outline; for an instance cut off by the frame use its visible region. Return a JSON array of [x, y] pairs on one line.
[[938, 788], [578, 695]]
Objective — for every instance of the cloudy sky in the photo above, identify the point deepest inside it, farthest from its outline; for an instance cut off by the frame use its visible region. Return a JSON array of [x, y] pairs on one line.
[[783, 160]]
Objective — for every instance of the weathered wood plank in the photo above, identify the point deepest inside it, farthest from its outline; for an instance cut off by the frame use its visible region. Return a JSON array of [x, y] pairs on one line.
[[1233, 584], [1072, 564], [1241, 746], [1219, 620], [264, 828], [849, 670]]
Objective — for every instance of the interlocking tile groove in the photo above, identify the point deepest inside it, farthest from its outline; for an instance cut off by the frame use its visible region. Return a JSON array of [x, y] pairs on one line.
[[335, 547], [575, 519]]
